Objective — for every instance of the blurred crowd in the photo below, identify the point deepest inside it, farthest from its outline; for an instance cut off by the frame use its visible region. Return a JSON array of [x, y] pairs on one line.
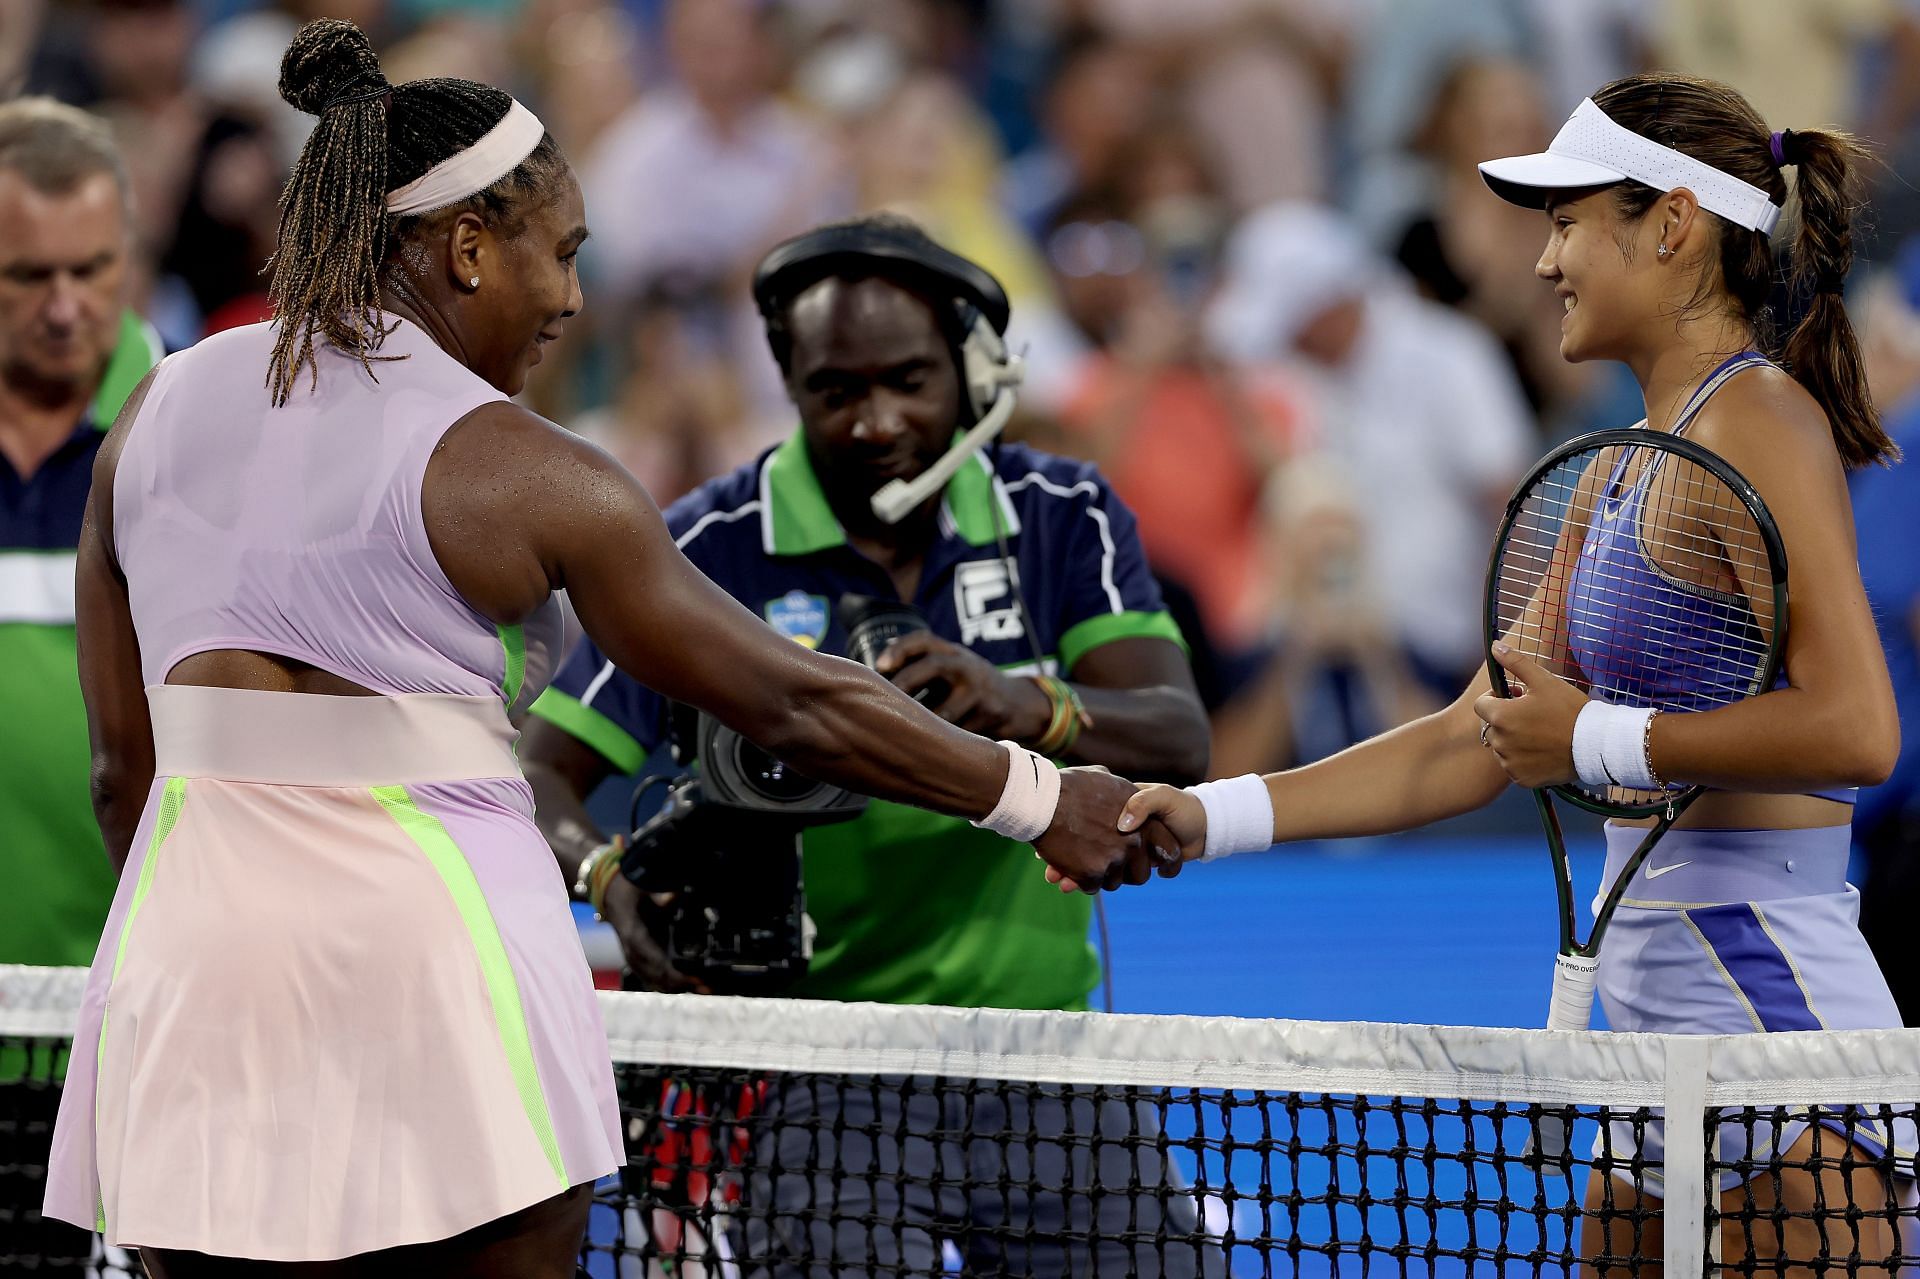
[[1254, 272]]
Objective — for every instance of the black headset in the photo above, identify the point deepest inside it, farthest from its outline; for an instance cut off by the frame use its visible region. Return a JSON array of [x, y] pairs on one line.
[[905, 253]]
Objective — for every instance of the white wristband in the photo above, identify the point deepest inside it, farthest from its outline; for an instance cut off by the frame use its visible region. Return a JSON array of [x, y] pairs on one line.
[[1239, 815], [1028, 799], [1610, 747]]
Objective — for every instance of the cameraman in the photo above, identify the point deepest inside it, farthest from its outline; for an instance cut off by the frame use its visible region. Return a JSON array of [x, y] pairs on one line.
[[876, 329]]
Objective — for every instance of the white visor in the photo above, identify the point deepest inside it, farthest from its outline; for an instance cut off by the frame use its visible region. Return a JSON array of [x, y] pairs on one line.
[[1591, 150], [497, 153]]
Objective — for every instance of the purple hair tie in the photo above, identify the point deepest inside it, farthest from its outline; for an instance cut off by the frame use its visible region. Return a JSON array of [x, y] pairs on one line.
[[1778, 146]]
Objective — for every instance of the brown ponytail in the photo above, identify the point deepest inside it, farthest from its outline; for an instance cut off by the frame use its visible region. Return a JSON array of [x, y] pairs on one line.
[[1714, 124], [1823, 352]]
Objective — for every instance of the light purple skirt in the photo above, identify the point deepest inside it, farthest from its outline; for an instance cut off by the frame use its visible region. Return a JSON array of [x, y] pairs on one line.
[[340, 1004], [1727, 932]]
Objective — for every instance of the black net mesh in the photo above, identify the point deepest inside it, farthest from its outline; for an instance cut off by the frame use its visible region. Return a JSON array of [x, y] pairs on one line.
[[814, 1171], [1809, 1191], [749, 1173]]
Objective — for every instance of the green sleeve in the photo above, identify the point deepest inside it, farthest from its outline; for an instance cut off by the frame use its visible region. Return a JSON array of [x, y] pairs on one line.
[[1083, 637], [567, 712]]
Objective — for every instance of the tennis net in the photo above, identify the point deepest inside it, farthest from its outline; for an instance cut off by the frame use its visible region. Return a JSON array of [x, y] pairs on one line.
[[771, 1137]]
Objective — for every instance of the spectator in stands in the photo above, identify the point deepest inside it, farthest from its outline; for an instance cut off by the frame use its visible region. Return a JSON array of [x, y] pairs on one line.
[[228, 219], [205, 170], [1416, 401], [585, 56], [1254, 79], [1886, 514], [1801, 64], [695, 180], [1102, 92], [699, 177], [678, 417], [925, 151], [1335, 673], [70, 352], [1153, 401], [1459, 248], [138, 53]]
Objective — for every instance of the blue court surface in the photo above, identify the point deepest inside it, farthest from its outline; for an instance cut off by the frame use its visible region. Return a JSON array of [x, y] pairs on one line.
[[1453, 928]]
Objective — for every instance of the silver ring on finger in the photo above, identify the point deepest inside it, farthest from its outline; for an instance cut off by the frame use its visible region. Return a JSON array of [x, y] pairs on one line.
[[1485, 728]]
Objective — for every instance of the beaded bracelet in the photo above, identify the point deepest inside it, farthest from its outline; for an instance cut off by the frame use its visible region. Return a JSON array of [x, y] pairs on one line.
[[1068, 716], [1646, 750], [597, 870]]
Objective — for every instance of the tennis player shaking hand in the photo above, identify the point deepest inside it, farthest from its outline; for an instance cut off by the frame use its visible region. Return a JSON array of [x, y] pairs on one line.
[[1645, 663]]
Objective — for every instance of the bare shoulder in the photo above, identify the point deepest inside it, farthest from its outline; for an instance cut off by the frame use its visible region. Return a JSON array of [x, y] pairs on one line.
[[498, 433], [1770, 429], [509, 497], [509, 448], [106, 464]]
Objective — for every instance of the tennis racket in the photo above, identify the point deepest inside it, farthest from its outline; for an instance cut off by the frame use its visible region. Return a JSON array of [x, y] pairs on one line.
[[1644, 570]]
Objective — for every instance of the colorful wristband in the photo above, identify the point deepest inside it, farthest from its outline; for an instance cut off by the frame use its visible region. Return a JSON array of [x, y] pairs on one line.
[[1067, 717]]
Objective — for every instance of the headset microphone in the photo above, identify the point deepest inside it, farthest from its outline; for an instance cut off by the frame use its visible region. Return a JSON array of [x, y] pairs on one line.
[[988, 373], [899, 498]]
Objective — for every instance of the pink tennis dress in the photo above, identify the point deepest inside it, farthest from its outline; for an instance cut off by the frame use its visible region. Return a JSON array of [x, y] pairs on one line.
[[340, 1004]]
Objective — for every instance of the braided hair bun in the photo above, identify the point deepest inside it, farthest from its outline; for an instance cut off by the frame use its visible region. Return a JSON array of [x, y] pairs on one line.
[[328, 61], [371, 139]]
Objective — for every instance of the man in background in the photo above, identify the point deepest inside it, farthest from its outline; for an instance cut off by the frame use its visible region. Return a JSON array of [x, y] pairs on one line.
[[70, 353], [1043, 626]]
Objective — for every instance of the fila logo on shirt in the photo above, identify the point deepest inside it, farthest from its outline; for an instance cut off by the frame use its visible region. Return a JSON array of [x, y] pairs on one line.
[[983, 599]]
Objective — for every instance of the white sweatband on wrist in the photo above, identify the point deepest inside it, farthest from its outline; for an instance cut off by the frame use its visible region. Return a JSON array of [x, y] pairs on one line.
[[1028, 799], [1239, 815], [1610, 747]]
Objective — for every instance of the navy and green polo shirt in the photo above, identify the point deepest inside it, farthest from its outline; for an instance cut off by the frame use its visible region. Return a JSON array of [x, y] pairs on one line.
[[58, 880], [912, 907]]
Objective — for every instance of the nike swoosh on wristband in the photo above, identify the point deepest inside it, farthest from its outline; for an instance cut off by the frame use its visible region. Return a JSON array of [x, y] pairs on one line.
[[1655, 873]]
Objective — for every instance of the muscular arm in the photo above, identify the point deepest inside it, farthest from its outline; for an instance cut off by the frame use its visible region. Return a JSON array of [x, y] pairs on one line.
[[111, 684], [1147, 719], [517, 508]]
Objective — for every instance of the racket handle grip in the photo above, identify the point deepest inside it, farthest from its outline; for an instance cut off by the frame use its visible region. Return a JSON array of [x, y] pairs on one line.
[[1573, 981]]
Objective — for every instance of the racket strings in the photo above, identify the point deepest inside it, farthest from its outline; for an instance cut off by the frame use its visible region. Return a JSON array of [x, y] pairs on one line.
[[1644, 578]]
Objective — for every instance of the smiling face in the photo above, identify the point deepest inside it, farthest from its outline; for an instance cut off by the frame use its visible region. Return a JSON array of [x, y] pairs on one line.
[[529, 288], [874, 380], [1603, 268]]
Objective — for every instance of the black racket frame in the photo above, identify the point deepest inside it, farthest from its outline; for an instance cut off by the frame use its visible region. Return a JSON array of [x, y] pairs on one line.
[[1668, 809]]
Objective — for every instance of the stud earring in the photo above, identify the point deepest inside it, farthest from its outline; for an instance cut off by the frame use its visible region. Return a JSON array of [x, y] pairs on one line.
[[473, 282], [1662, 251]]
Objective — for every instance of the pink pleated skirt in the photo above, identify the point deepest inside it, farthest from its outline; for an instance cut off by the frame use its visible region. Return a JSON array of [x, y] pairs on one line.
[[340, 1004]]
